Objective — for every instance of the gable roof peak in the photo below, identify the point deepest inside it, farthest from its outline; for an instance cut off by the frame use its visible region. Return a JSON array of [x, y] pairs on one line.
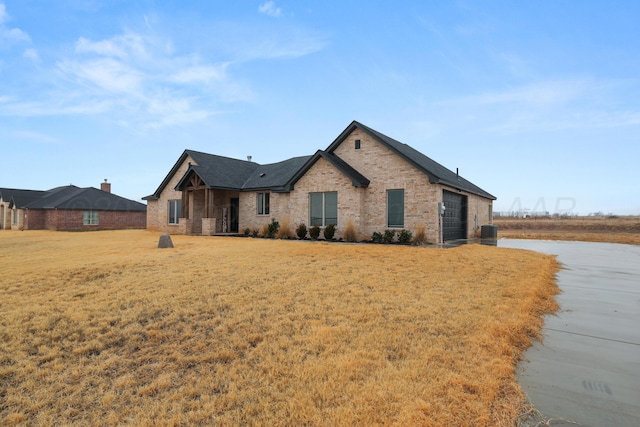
[[437, 173]]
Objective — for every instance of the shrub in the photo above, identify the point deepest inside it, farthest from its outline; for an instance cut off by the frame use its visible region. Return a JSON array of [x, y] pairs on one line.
[[420, 237], [301, 231], [349, 234], [387, 237], [329, 231], [404, 237], [314, 232], [255, 233], [272, 228], [264, 231], [247, 231], [284, 232], [376, 237]]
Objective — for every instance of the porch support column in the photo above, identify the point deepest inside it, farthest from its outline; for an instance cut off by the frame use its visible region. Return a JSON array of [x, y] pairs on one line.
[[185, 204], [206, 203]]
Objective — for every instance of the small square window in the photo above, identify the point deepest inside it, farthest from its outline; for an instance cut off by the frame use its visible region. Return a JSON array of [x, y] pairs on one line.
[[357, 144]]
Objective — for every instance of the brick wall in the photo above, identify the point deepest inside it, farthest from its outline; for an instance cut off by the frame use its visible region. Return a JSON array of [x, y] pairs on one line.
[[278, 209], [323, 177], [157, 210], [35, 219], [387, 171], [61, 219]]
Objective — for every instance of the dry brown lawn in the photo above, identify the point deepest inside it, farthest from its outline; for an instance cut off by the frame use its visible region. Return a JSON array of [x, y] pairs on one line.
[[624, 229], [102, 328]]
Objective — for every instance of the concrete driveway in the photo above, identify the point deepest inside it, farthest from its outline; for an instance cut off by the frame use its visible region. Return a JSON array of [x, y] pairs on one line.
[[587, 370]]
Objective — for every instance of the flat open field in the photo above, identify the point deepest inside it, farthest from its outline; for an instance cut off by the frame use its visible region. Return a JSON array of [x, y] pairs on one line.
[[624, 229], [102, 328]]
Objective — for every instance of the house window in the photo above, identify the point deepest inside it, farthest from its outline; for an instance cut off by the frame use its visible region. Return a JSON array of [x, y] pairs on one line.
[[90, 218], [175, 211], [357, 144], [395, 208], [263, 203], [15, 216], [323, 208], [490, 214]]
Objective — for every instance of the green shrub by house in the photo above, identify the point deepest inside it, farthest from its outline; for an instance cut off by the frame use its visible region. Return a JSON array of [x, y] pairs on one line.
[[387, 237], [301, 231], [404, 237], [314, 232], [329, 231]]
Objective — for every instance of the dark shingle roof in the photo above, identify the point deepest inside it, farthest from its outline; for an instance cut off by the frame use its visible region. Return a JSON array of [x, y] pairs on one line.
[[436, 172], [227, 173], [19, 198], [222, 172], [233, 174], [276, 175], [72, 197]]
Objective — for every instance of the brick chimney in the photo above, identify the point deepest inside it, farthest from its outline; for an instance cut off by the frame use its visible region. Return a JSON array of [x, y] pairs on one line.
[[105, 186]]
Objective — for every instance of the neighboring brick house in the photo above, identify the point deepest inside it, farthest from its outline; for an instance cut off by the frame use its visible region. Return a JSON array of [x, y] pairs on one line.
[[69, 208], [364, 177]]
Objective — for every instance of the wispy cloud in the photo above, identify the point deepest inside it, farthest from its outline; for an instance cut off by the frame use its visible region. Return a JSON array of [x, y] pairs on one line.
[[31, 54], [580, 103], [269, 8], [144, 79], [9, 35]]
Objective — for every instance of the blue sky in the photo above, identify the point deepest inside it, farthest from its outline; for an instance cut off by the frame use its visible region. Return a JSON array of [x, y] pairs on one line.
[[537, 102]]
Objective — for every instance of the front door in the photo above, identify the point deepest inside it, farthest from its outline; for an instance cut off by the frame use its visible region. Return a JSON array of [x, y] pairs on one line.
[[234, 214]]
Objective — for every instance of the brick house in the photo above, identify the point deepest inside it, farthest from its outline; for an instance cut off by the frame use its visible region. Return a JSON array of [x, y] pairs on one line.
[[69, 208], [364, 177]]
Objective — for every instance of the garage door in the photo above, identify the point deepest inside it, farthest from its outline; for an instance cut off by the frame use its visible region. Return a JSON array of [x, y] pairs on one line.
[[454, 223]]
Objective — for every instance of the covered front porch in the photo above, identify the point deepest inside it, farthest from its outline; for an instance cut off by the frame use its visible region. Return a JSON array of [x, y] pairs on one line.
[[208, 211]]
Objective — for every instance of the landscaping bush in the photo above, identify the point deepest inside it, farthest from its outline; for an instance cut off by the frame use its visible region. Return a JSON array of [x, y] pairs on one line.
[[255, 233], [301, 231], [404, 237], [247, 231], [349, 234], [314, 232], [284, 232], [387, 237], [376, 237], [272, 228], [420, 237], [329, 231], [264, 231]]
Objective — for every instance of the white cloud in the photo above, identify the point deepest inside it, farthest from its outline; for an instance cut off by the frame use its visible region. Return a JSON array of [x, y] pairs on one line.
[[3, 13], [546, 106], [31, 54], [10, 35], [144, 80], [269, 8], [200, 74], [105, 73], [123, 46]]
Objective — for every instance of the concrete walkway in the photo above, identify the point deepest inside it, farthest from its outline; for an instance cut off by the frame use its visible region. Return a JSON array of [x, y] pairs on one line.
[[587, 370]]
